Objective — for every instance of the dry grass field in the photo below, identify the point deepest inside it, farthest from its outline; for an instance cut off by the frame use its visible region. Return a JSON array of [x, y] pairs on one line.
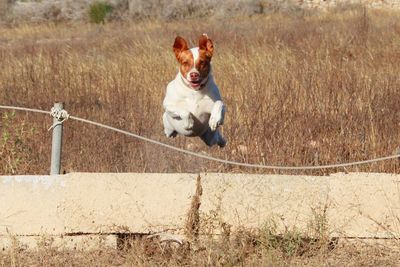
[[300, 88], [242, 251], [242, 248]]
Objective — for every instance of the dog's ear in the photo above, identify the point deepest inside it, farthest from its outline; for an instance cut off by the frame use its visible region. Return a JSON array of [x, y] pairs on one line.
[[206, 44], [180, 45]]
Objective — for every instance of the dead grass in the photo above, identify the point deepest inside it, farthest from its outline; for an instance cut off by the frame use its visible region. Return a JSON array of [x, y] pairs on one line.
[[300, 90], [244, 249], [192, 226]]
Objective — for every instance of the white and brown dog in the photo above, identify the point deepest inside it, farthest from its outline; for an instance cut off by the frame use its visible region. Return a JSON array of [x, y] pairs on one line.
[[193, 105]]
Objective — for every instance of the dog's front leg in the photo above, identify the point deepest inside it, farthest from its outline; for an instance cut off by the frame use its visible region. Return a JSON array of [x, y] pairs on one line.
[[217, 115], [185, 116]]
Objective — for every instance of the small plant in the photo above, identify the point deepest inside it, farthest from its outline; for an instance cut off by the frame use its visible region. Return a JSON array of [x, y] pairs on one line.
[[294, 242], [290, 243], [98, 12]]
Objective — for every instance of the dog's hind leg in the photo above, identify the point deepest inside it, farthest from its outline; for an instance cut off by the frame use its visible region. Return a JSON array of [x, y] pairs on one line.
[[221, 142], [168, 128], [213, 138]]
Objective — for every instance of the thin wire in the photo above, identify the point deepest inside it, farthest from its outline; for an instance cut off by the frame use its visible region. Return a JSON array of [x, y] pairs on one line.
[[249, 165], [229, 162], [26, 109]]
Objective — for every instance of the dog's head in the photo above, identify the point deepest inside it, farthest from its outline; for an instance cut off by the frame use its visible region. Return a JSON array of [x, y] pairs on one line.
[[195, 62]]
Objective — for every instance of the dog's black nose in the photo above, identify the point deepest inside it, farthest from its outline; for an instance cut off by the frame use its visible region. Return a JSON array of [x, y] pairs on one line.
[[194, 75]]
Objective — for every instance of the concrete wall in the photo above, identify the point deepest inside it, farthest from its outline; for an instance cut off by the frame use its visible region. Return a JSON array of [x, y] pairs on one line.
[[352, 205]]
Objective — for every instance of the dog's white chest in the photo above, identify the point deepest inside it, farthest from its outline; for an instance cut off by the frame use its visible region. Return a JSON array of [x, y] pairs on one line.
[[199, 106], [193, 102]]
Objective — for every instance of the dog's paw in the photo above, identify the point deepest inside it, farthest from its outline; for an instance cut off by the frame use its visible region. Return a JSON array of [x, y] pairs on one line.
[[221, 142], [214, 122], [188, 122], [217, 116], [170, 133], [188, 125]]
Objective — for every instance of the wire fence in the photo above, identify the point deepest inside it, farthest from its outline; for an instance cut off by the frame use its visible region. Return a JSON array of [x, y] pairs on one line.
[[62, 115]]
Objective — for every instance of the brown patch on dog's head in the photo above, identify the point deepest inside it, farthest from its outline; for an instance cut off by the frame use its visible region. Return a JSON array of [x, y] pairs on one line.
[[206, 46], [206, 49], [183, 55], [180, 45]]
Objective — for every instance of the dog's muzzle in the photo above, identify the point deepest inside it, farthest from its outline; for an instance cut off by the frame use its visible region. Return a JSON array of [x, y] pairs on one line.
[[196, 84]]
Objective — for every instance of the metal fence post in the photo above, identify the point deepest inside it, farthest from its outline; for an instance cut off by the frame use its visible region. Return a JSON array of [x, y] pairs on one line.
[[56, 143]]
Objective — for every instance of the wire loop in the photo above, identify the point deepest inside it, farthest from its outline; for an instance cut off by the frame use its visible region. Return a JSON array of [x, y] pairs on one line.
[[60, 114]]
